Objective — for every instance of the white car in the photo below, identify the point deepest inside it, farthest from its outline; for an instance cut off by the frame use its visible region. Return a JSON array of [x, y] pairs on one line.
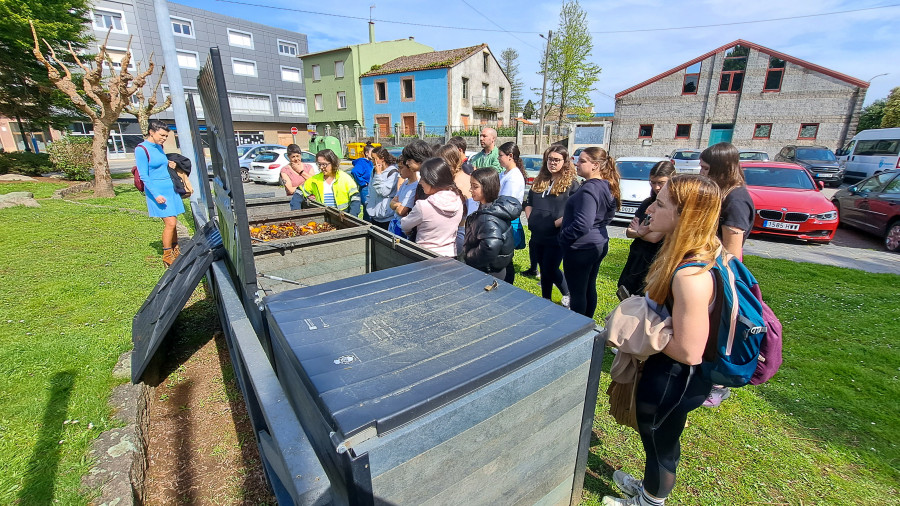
[[687, 161], [634, 183], [266, 167], [747, 155]]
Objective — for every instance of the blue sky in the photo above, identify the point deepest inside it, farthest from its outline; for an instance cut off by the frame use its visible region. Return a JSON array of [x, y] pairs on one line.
[[861, 44]]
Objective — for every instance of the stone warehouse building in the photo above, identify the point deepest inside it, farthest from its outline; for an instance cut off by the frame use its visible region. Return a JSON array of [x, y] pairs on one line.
[[743, 93]]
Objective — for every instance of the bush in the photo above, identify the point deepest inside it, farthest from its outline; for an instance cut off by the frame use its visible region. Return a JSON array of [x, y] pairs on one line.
[[73, 156], [475, 132], [25, 163]]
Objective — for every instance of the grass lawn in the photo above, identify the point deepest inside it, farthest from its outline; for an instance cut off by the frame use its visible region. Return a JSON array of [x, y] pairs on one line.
[[819, 433]]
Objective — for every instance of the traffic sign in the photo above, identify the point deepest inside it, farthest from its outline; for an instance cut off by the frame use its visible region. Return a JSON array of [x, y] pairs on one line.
[[294, 131]]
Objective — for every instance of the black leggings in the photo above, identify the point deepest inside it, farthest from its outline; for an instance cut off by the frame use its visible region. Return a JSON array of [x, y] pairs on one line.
[[581, 267], [666, 393], [549, 256]]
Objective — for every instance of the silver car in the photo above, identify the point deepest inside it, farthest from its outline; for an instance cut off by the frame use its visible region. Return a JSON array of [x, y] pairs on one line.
[[747, 155], [687, 161]]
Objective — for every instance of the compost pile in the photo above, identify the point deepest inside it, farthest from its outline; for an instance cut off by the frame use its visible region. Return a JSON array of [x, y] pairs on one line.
[[288, 229]]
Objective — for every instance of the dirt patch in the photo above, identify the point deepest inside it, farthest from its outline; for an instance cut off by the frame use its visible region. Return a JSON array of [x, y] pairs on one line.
[[201, 447]]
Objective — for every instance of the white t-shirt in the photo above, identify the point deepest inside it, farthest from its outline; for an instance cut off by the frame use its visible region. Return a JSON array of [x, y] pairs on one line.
[[406, 195], [512, 184]]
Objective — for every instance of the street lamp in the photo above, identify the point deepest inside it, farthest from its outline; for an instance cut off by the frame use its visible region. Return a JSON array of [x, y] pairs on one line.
[[540, 142], [879, 75]]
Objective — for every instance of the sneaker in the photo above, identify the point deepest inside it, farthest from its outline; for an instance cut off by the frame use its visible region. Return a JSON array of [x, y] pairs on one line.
[[609, 500], [529, 272], [716, 396], [565, 301], [628, 484]]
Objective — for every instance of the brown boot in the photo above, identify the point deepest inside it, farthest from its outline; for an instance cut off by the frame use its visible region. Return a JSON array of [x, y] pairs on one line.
[[168, 256], [176, 250]]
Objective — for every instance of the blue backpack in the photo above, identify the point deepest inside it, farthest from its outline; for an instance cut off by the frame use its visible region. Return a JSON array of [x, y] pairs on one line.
[[739, 336]]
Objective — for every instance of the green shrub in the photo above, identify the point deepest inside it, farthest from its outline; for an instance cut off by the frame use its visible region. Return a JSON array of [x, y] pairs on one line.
[[476, 131], [25, 163], [73, 156]]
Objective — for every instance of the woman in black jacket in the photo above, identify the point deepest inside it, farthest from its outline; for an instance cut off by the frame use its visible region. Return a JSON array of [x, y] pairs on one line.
[[544, 207], [489, 244], [583, 237]]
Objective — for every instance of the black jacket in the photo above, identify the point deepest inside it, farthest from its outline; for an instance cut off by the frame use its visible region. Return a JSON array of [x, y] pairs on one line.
[[489, 243]]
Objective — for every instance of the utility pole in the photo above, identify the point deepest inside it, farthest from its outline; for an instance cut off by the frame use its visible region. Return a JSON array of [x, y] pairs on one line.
[[540, 142]]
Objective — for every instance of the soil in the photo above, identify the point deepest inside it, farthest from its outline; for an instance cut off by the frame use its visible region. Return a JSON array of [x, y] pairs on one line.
[[201, 446]]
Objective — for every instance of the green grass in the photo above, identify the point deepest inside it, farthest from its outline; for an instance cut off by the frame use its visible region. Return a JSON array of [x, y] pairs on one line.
[[821, 432], [40, 190]]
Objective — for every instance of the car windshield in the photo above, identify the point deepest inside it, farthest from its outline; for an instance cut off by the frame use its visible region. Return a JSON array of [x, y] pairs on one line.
[[266, 156], [532, 163], [752, 155], [815, 154], [635, 170], [777, 177], [242, 150], [687, 155]]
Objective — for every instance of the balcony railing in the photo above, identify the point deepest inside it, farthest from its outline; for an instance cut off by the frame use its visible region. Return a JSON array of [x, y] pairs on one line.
[[486, 104]]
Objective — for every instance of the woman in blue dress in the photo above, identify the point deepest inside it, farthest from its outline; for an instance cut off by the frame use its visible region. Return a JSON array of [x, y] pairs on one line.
[[162, 201]]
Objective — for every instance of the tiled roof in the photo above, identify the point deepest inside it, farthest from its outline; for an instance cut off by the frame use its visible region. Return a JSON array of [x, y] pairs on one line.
[[425, 61]]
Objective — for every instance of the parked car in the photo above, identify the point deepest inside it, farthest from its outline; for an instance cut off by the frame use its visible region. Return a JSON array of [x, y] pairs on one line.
[[789, 202], [747, 155], [532, 164], [687, 161], [870, 152], [266, 167], [873, 205], [634, 183], [246, 154], [818, 160]]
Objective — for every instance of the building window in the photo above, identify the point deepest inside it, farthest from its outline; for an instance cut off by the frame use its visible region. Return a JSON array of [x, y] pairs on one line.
[[381, 92], [105, 19], [408, 89], [484, 57], [342, 100], [291, 74], [465, 88], [291, 106], [733, 70], [243, 67], [645, 132], [182, 27], [320, 104], [681, 131], [240, 39], [808, 131], [115, 58], [250, 103], [198, 106], [500, 96], [691, 79], [774, 75], [188, 59], [762, 131], [339, 69], [286, 48], [317, 73]]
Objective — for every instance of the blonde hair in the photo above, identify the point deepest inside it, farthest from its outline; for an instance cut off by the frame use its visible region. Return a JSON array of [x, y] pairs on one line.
[[542, 181], [452, 156], [698, 201], [608, 170]]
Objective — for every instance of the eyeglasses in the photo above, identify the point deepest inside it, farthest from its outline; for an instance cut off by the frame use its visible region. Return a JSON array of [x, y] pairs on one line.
[[555, 160], [323, 164]]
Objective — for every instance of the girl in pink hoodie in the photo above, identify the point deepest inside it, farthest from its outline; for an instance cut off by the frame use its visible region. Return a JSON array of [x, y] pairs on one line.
[[438, 216]]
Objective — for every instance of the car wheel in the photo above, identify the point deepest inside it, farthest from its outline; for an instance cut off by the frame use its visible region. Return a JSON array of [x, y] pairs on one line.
[[245, 175], [892, 237]]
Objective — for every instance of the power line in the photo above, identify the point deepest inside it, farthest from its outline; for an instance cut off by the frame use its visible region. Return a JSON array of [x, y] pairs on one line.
[[498, 26], [468, 28]]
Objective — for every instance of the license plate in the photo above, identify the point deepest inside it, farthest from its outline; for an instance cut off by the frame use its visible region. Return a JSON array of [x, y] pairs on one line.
[[628, 210], [780, 225], [822, 175]]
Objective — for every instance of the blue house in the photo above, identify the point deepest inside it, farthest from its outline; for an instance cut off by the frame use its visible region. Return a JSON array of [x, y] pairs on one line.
[[461, 88]]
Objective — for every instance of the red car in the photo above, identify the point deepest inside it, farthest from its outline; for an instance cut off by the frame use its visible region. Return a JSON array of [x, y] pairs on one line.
[[788, 202]]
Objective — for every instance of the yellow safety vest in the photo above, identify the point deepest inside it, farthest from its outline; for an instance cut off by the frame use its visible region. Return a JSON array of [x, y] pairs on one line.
[[344, 189]]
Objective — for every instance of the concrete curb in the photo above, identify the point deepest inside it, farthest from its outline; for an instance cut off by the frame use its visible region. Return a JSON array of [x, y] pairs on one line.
[[120, 454]]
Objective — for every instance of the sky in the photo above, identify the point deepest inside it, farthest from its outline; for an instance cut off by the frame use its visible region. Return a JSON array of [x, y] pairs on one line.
[[633, 40]]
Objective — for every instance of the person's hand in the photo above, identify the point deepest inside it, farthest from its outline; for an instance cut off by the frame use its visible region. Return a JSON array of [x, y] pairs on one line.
[[171, 164], [311, 197], [160, 200], [635, 222], [558, 222]]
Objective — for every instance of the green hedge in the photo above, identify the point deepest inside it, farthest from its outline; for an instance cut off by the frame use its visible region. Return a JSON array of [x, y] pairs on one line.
[[25, 163]]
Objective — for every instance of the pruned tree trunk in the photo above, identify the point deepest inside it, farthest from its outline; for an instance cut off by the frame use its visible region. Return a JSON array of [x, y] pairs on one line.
[[103, 186]]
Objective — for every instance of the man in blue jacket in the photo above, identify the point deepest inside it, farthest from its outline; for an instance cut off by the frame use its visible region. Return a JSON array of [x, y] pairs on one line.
[[362, 172]]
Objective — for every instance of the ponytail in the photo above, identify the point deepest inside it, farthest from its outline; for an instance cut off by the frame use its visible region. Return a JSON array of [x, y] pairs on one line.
[[608, 171]]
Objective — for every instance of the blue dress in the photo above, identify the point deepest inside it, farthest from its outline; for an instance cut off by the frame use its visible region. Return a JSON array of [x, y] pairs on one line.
[[155, 175]]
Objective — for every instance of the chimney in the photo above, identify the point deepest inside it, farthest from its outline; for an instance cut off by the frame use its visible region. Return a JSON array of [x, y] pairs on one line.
[[371, 32], [412, 38]]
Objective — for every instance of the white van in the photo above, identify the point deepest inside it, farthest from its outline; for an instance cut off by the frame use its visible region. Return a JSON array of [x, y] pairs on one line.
[[870, 152]]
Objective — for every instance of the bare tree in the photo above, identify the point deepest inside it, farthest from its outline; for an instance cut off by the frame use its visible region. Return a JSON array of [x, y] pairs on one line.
[[110, 95], [143, 110]]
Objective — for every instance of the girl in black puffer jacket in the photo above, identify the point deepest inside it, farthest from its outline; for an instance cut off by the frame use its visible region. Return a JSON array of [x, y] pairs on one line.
[[489, 244]]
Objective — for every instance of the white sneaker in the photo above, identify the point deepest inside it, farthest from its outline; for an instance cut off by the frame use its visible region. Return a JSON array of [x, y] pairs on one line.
[[628, 484], [609, 500], [565, 301]]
